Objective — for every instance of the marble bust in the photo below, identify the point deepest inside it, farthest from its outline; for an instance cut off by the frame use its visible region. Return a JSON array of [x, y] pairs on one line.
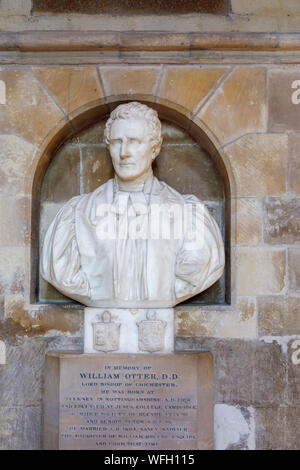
[[134, 242]]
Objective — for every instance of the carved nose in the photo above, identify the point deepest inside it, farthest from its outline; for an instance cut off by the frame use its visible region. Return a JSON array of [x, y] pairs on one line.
[[124, 150]]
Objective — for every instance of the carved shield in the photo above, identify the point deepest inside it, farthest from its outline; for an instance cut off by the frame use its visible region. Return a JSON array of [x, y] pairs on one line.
[[106, 336], [151, 335]]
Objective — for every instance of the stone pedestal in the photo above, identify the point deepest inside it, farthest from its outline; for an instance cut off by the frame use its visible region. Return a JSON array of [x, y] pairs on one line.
[[119, 401], [141, 331]]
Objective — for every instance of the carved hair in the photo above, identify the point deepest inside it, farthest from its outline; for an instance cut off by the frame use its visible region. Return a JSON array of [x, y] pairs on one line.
[[137, 110]]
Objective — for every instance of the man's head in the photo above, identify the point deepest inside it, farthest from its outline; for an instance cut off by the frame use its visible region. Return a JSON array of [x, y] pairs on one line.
[[133, 136]]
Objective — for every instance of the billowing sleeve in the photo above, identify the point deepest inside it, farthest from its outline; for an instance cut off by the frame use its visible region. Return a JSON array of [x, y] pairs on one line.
[[200, 261], [60, 260]]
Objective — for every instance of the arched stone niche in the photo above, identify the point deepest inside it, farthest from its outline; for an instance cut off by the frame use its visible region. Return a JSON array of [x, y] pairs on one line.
[[80, 162]]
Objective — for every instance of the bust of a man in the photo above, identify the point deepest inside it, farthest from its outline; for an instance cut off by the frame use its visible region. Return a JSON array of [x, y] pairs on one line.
[[134, 242]]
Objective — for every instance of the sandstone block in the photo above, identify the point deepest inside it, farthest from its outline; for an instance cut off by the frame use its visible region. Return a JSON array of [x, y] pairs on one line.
[[293, 378], [16, 155], [62, 179], [194, 321], [269, 428], [29, 111], [282, 221], [126, 81], [12, 269], [294, 269], [234, 368], [269, 374], [259, 164], [294, 175], [260, 271], [248, 221], [53, 319], [189, 170], [21, 378], [97, 167], [292, 431], [283, 112], [238, 106], [14, 228], [278, 316], [20, 427], [72, 87], [93, 134], [187, 87]]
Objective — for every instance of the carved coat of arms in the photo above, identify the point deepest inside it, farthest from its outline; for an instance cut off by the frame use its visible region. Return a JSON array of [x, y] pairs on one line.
[[151, 334], [106, 334]]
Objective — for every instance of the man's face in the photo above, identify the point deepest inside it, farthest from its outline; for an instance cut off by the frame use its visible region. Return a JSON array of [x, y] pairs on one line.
[[130, 148]]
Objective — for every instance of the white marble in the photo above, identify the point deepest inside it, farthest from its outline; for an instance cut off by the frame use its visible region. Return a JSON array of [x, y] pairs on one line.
[[2, 353], [131, 336], [134, 242]]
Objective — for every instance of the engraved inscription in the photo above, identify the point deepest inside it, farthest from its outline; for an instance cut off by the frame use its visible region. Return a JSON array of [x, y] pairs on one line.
[[122, 403]]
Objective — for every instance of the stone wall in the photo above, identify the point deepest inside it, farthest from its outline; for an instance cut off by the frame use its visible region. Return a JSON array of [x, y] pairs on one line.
[[190, 15], [255, 148]]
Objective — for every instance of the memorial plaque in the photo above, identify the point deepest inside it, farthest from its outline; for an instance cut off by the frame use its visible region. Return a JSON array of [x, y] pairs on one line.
[[129, 401]]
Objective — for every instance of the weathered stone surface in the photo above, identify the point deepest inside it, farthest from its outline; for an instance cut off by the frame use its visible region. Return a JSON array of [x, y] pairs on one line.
[[126, 81], [283, 113], [269, 374], [131, 7], [238, 106], [97, 167], [195, 321], [248, 221], [173, 134], [269, 428], [233, 365], [16, 155], [16, 7], [72, 87], [12, 269], [294, 176], [186, 87], [293, 377], [259, 164], [1, 307], [260, 271], [234, 427], [20, 427], [234, 368], [53, 320], [282, 221], [189, 170], [29, 111], [14, 228], [21, 378], [93, 134], [278, 316], [294, 269], [292, 429], [62, 179]]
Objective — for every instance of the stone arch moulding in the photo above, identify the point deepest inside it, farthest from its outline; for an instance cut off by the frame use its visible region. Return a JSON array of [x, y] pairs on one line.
[[89, 114]]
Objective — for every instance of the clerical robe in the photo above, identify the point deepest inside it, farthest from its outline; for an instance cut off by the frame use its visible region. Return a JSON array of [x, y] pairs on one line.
[[124, 271]]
